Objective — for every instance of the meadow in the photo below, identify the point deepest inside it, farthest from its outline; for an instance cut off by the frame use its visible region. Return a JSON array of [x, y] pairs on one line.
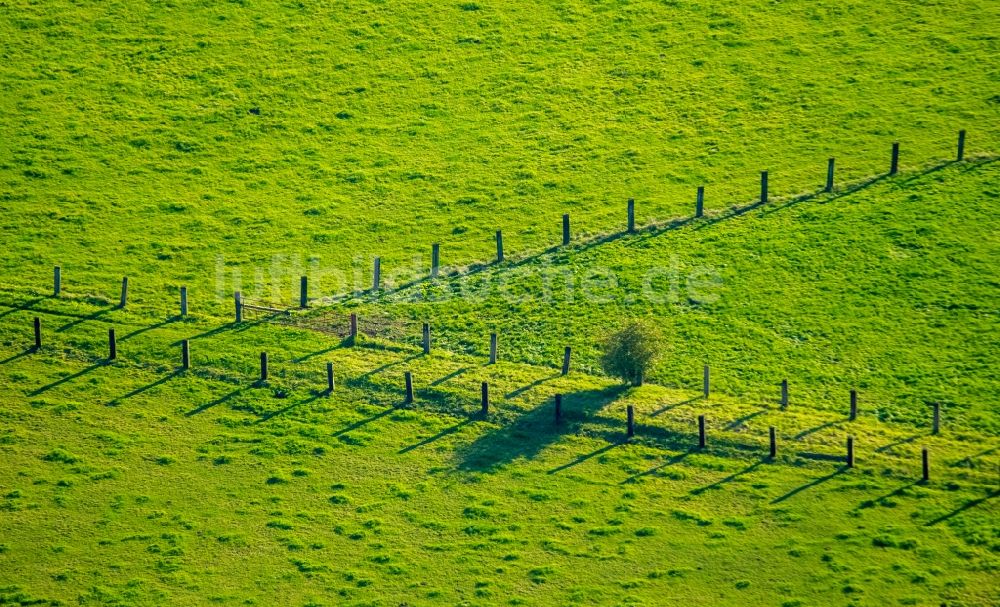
[[240, 145]]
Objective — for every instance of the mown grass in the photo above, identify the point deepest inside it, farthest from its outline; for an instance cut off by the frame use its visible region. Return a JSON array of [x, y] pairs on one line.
[[131, 482]]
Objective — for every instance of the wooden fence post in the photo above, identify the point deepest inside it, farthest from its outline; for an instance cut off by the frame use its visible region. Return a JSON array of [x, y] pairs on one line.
[[784, 393], [304, 292], [486, 398], [493, 348], [329, 378], [630, 421], [408, 378], [566, 229], [706, 382], [894, 166], [185, 354], [184, 301], [435, 259], [377, 274], [565, 367], [263, 366], [763, 186], [124, 299], [699, 205], [829, 175], [961, 145], [558, 408], [56, 281], [238, 300], [354, 325], [499, 246], [925, 464], [427, 338], [631, 215], [854, 405], [701, 431], [38, 333], [850, 451], [936, 427], [112, 345], [773, 436]]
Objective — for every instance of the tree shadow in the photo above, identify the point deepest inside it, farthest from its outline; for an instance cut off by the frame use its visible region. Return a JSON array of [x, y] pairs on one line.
[[809, 485], [218, 401], [666, 408], [531, 432], [59, 382], [969, 504], [443, 433], [117, 401]]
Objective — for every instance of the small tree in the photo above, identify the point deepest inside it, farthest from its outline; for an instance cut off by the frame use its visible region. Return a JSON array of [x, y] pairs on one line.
[[631, 351]]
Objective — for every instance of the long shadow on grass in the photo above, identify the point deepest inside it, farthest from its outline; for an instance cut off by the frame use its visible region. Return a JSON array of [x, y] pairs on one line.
[[531, 432], [963, 508], [25, 305], [443, 433], [809, 485], [676, 459], [283, 410], [533, 384], [80, 373], [816, 429], [222, 399], [94, 316], [451, 375], [739, 421], [902, 441], [17, 356], [138, 332], [117, 401], [728, 479]]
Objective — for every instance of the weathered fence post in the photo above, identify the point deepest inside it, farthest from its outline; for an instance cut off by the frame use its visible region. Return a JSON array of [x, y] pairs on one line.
[[263, 366], [304, 292], [854, 405], [773, 436], [894, 166], [435, 259], [850, 451], [706, 382], [124, 299], [185, 354], [936, 427], [558, 408], [238, 300], [427, 338], [486, 398], [829, 175], [925, 464], [565, 367], [784, 393], [408, 378], [112, 345], [38, 333], [354, 325], [763, 186], [329, 378], [56, 281], [377, 274], [499, 246], [566, 229], [699, 204], [630, 421], [493, 348], [701, 431], [184, 301], [631, 215], [961, 145]]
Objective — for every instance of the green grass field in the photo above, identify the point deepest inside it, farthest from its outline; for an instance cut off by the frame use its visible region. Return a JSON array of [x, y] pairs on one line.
[[240, 145]]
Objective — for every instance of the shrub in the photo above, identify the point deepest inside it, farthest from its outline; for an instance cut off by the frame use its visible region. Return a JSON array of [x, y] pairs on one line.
[[630, 352]]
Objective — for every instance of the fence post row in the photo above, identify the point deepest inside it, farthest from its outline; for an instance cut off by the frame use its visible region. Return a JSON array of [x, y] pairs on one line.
[[38, 333], [773, 435], [829, 175], [894, 166], [631, 215], [763, 186], [56, 281], [850, 451], [238, 300], [435, 259], [854, 405], [185, 354], [493, 348], [925, 465], [630, 421], [565, 230], [124, 299], [354, 325], [499, 246], [184, 301], [961, 145], [377, 274], [706, 382], [565, 365], [427, 338], [112, 345], [329, 378], [784, 393], [304, 292], [701, 431], [408, 379], [699, 205], [486, 398], [558, 403]]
